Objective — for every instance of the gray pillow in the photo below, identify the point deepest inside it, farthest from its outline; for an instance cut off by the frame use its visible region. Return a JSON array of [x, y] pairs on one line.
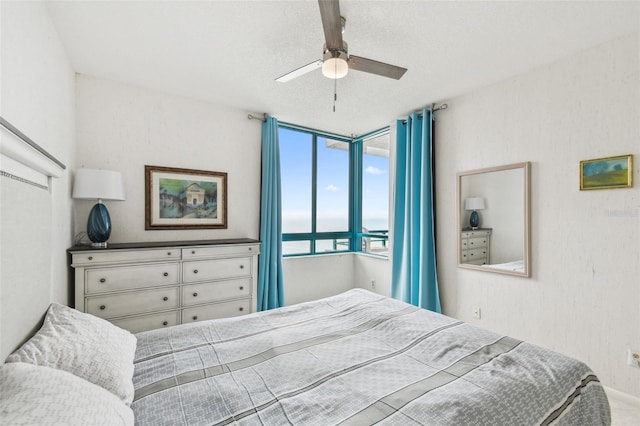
[[34, 395], [86, 346]]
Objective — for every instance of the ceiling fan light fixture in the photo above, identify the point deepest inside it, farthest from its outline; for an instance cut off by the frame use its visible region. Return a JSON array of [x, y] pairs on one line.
[[335, 64]]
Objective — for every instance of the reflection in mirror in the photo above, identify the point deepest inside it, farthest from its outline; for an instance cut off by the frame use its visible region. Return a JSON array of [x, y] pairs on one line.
[[493, 219]]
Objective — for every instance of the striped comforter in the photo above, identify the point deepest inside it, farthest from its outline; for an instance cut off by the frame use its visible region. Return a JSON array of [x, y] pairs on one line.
[[356, 359]]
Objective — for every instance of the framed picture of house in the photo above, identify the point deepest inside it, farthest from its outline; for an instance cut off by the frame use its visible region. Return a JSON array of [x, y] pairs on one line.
[[184, 198], [604, 173]]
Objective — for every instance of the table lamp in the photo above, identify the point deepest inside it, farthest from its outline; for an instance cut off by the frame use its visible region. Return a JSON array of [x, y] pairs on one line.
[[475, 204], [92, 184]]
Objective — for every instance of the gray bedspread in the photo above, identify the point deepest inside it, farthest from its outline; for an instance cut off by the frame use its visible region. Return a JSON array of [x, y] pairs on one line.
[[356, 359]]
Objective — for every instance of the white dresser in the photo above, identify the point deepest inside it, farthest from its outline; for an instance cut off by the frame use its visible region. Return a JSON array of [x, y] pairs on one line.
[[142, 286], [475, 246]]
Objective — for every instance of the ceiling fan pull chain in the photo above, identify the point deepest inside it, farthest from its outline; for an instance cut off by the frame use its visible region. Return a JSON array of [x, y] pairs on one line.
[[335, 90]]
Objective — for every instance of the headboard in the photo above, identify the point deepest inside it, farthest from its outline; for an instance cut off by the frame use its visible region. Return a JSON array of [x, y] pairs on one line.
[[26, 205]]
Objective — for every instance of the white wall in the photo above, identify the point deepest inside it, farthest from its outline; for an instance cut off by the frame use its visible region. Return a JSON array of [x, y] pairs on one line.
[[314, 277], [584, 296], [124, 128], [371, 268], [37, 96]]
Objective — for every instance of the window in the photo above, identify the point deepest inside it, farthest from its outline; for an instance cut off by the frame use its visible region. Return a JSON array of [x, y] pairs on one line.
[[334, 192], [375, 194]]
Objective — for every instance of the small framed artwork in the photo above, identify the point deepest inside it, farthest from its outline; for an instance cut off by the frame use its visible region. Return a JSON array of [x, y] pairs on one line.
[[184, 198], [604, 173]]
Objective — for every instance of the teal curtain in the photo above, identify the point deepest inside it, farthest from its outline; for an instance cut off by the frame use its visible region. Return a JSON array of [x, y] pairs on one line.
[[414, 275], [270, 281]]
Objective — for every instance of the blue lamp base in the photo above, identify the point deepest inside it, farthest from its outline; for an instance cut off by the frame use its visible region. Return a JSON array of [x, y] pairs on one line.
[[474, 220], [99, 225]]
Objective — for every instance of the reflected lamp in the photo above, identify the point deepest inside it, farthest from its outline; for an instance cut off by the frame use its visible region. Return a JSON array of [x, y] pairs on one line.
[[100, 185], [474, 204]]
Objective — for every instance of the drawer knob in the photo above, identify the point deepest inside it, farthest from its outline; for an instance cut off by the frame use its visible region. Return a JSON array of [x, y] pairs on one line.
[[195, 317], [168, 253], [195, 294], [241, 287], [241, 309], [193, 252], [166, 274], [250, 248], [195, 271], [165, 298], [90, 257], [102, 280], [241, 266], [165, 322], [103, 307]]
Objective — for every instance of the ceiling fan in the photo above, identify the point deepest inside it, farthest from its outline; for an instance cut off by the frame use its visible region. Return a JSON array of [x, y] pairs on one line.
[[336, 61]]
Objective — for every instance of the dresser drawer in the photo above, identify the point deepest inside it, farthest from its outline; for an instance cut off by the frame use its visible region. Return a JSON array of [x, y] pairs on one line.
[[196, 294], [474, 254], [477, 242], [120, 304], [148, 322], [220, 251], [101, 280], [216, 310], [475, 234], [207, 270], [86, 258]]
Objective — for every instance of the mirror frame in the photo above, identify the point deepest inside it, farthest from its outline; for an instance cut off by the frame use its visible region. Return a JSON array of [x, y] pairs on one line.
[[526, 167]]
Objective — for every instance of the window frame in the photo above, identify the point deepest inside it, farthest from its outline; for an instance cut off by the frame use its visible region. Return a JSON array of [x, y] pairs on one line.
[[355, 152]]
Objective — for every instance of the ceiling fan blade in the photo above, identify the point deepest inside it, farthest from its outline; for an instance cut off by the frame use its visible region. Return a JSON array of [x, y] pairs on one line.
[[300, 71], [375, 67], [330, 14]]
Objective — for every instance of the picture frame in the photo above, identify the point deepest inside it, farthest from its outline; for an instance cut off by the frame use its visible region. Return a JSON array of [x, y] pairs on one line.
[[607, 173], [184, 198]]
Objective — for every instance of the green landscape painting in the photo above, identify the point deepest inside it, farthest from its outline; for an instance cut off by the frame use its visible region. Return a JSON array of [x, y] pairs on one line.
[[614, 172], [188, 199]]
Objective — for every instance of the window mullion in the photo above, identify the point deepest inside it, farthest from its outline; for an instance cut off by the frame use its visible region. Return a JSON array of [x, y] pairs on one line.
[[355, 194], [314, 191]]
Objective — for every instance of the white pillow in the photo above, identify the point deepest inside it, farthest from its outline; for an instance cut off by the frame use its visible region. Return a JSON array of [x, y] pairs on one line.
[[85, 345], [33, 395]]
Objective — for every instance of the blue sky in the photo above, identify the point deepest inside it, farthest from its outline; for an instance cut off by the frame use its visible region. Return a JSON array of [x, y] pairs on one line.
[[333, 185]]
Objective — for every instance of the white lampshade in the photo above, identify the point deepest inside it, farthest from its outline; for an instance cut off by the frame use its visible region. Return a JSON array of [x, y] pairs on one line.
[[335, 65], [92, 184], [474, 203]]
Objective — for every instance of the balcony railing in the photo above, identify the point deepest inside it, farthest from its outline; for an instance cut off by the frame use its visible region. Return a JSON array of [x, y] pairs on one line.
[[373, 241]]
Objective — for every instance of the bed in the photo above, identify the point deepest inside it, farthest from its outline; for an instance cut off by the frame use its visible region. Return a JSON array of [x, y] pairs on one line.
[[515, 266], [357, 358]]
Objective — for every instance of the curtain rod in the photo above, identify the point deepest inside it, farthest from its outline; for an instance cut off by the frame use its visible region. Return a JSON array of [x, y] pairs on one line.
[[254, 117], [433, 109], [441, 107]]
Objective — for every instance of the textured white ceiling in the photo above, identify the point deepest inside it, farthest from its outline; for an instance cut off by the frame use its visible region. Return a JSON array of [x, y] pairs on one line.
[[230, 52]]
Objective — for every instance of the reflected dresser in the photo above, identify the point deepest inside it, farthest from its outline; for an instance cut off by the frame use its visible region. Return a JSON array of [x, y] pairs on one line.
[[475, 246]]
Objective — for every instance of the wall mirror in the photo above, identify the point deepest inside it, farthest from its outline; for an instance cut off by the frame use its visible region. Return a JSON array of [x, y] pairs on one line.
[[494, 219]]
